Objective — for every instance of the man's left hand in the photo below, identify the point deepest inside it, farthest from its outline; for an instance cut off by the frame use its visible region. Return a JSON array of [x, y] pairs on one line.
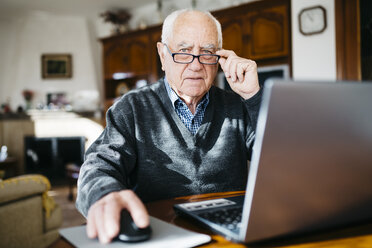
[[241, 73]]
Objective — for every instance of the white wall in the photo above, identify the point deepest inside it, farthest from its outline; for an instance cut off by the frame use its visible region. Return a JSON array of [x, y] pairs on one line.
[[314, 56], [9, 54], [25, 38]]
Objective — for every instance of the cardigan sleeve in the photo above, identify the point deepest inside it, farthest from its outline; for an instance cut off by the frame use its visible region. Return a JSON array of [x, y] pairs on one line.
[[253, 107], [110, 160]]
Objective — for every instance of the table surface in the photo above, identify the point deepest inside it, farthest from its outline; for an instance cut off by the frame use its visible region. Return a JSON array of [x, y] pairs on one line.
[[8, 161], [356, 236]]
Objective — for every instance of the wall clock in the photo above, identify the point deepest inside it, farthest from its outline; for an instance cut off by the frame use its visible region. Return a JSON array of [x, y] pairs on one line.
[[312, 20]]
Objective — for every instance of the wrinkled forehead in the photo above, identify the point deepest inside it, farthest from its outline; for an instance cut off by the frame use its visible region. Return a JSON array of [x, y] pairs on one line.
[[195, 29]]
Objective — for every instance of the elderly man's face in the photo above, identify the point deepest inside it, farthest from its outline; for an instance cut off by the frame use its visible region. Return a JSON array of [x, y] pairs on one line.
[[196, 34]]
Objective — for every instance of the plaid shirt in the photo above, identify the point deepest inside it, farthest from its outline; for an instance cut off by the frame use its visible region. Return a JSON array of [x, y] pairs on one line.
[[192, 122]]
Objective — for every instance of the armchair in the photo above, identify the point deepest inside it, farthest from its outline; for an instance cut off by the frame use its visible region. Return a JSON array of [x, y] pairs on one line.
[[28, 216]]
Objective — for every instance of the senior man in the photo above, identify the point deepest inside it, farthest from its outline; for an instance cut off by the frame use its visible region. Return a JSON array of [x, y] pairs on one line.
[[179, 136]]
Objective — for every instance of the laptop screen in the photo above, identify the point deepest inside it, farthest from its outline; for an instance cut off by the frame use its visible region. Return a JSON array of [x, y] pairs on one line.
[[311, 166]]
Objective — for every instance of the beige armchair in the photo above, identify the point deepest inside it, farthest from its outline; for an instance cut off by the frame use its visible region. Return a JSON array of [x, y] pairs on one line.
[[28, 216]]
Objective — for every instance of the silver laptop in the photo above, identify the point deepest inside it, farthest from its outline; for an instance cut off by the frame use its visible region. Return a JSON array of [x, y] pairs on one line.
[[311, 167]]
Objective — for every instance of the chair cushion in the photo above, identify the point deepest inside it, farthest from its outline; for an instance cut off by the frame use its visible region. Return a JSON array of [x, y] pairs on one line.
[[24, 186]]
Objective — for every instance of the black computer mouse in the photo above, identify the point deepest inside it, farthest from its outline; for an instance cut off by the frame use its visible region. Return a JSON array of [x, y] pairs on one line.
[[129, 232]]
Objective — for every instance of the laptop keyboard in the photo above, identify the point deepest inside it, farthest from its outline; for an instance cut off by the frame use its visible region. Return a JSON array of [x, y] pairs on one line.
[[229, 218]]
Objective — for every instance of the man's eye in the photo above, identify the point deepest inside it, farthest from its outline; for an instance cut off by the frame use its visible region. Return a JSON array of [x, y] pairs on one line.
[[184, 50], [207, 52]]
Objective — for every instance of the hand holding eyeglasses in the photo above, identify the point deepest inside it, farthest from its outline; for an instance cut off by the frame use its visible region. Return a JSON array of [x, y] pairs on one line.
[[241, 73]]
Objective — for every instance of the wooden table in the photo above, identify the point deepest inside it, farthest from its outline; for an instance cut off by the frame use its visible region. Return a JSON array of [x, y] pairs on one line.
[[357, 236]]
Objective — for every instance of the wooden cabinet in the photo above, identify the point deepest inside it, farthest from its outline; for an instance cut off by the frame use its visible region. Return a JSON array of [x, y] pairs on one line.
[[128, 58], [268, 33], [138, 54], [114, 59], [233, 36], [258, 30], [126, 55]]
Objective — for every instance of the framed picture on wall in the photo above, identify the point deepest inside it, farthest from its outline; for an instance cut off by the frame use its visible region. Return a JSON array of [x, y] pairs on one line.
[[56, 66]]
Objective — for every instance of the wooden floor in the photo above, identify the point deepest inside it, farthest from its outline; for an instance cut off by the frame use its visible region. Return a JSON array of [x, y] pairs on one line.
[[71, 216]]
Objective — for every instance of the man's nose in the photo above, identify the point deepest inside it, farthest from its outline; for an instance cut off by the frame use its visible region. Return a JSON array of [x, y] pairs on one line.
[[195, 64]]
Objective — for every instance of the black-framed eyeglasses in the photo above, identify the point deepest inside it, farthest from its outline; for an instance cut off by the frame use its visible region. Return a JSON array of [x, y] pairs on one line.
[[187, 58]]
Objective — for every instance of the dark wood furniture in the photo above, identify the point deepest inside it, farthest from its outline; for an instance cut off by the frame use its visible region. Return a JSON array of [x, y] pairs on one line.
[[257, 30], [357, 236], [9, 166], [348, 40], [128, 58]]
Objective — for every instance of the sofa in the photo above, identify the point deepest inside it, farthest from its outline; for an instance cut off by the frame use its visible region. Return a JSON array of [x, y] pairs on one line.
[[28, 216]]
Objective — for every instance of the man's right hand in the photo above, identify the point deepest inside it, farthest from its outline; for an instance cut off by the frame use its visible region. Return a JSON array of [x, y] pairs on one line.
[[103, 219]]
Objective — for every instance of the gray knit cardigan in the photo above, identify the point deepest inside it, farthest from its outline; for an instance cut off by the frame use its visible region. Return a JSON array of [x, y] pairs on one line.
[[146, 147]]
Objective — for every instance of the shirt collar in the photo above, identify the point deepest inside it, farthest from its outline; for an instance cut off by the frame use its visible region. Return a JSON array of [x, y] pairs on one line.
[[172, 95]]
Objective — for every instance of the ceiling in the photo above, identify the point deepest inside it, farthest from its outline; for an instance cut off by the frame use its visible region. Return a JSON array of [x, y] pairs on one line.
[[67, 7]]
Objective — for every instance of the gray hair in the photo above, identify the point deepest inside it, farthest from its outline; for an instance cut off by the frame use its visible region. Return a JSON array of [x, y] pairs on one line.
[[169, 21]]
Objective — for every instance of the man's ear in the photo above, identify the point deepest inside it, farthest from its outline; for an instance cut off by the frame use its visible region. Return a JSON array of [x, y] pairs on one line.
[[160, 47]]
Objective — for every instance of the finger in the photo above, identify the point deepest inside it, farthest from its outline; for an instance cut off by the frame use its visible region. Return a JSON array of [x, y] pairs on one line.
[[100, 224], [111, 219], [137, 210], [227, 68], [225, 53], [222, 62], [240, 71], [91, 225], [233, 67], [252, 66], [225, 60]]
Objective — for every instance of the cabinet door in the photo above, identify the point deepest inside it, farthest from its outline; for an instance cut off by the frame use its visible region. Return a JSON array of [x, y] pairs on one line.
[[127, 55], [268, 33], [232, 34], [115, 57], [139, 54]]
